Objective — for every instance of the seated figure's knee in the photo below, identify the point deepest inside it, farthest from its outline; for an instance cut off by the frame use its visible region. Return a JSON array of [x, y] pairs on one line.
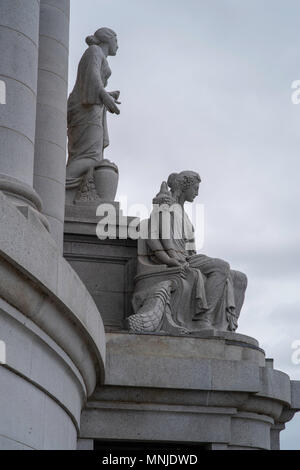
[[240, 279], [222, 266]]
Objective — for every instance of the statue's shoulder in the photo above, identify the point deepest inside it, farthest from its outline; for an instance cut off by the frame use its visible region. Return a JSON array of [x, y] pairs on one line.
[[93, 52]]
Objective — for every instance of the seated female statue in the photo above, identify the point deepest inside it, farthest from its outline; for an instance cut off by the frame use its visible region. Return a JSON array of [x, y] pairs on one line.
[[215, 293]]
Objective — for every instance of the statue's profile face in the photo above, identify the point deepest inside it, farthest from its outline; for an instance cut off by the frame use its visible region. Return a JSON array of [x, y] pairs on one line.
[[113, 45], [192, 192]]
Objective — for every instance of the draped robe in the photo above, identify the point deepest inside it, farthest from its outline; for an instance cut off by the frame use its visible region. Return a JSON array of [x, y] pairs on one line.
[[87, 124]]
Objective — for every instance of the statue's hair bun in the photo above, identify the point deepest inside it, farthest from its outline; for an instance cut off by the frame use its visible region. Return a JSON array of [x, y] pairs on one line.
[[91, 40], [171, 180]]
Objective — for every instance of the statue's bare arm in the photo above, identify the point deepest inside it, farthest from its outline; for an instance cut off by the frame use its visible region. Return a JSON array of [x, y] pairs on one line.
[[160, 253], [109, 99]]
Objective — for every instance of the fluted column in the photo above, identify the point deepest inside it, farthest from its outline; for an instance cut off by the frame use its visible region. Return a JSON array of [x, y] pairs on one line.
[[19, 26], [51, 118]]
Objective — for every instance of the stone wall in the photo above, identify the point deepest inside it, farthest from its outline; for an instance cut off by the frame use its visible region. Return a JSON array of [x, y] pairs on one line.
[[106, 267], [54, 336]]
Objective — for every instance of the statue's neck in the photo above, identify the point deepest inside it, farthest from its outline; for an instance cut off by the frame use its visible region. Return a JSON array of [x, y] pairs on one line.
[[181, 200], [105, 49], [178, 197]]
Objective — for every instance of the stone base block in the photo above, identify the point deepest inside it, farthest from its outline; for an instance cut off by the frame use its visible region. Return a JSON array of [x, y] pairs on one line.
[[106, 267], [217, 391]]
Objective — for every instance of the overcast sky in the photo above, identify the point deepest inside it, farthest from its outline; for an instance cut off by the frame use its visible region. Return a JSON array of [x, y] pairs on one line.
[[206, 86]]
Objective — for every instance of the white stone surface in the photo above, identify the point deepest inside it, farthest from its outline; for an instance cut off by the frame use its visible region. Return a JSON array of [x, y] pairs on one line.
[[61, 379], [10, 444], [19, 150], [42, 391], [157, 423], [210, 390], [31, 418], [85, 444], [21, 17], [51, 122], [55, 192], [33, 251], [251, 430], [19, 23], [295, 392], [54, 60], [275, 384], [176, 362], [55, 354]]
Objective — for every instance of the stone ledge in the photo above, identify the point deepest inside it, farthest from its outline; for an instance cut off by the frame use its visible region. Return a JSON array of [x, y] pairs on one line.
[[175, 423], [245, 421], [41, 362], [216, 389], [295, 388], [81, 219], [187, 363], [53, 296]]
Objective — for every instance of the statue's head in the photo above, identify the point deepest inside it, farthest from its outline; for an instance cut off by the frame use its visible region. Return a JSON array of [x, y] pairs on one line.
[[184, 184], [104, 36]]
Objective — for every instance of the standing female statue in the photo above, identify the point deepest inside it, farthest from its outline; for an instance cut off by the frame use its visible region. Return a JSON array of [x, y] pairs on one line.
[[206, 292], [87, 106]]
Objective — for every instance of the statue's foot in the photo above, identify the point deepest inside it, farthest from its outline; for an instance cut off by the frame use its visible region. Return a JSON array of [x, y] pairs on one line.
[[87, 191], [184, 331], [203, 324]]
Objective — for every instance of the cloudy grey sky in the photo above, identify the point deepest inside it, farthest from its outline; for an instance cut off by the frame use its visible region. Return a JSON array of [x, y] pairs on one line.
[[206, 85]]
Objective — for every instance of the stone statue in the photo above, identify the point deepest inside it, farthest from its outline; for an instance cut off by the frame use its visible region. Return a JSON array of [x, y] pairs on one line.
[[88, 103], [178, 290]]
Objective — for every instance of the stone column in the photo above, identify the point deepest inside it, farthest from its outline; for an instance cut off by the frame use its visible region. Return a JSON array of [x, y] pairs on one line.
[[19, 26], [275, 435], [51, 117]]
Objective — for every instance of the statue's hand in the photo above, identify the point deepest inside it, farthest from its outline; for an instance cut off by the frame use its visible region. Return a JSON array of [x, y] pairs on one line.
[[109, 103], [115, 95], [191, 253], [173, 262], [184, 270], [172, 253], [181, 258], [178, 256]]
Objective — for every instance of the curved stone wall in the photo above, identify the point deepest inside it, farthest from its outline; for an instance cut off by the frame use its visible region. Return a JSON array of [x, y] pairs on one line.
[[54, 336]]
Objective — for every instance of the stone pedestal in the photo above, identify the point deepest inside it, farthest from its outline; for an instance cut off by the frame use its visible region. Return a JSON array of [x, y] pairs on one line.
[[106, 267], [216, 391]]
